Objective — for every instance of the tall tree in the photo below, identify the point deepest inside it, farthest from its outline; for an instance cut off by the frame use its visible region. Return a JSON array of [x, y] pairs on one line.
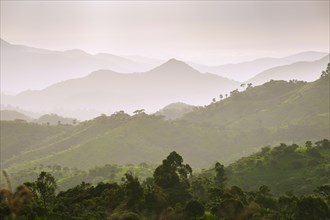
[[172, 176]]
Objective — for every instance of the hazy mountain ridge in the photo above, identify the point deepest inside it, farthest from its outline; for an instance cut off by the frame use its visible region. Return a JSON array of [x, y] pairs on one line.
[[108, 90], [10, 115], [302, 70], [45, 67], [245, 70], [47, 119], [275, 112]]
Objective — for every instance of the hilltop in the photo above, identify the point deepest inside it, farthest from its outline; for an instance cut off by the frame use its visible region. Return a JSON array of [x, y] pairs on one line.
[[175, 110]]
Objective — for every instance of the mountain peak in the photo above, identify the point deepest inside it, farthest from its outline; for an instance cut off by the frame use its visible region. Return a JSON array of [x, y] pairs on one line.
[[174, 61], [174, 66]]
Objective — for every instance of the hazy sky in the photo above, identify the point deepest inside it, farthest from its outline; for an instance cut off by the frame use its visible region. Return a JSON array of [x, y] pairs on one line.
[[201, 31]]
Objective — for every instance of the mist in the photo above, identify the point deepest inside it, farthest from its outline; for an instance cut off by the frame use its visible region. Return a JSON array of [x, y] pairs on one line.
[[164, 110]]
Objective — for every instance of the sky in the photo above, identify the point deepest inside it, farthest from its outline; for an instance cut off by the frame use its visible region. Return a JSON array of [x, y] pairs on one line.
[[208, 32]]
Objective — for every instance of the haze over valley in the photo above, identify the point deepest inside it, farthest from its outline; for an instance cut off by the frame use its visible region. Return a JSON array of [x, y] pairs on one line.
[[166, 110], [76, 90]]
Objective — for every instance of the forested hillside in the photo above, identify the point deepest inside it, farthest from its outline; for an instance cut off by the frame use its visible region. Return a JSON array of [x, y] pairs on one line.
[[275, 104], [285, 168], [226, 130]]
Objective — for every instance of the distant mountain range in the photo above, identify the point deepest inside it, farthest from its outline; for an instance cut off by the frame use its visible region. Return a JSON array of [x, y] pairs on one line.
[[303, 70], [107, 90], [24, 67], [246, 70], [41, 68], [76, 84]]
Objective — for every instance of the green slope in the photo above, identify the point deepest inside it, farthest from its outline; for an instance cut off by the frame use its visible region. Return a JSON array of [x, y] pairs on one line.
[[18, 137], [274, 104], [275, 112], [283, 168], [175, 110]]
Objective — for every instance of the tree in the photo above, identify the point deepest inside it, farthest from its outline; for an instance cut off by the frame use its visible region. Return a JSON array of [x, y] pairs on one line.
[[234, 92], [326, 72], [44, 189], [221, 96], [12, 203], [133, 191], [310, 207], [287, 206], [308, 144], [139, 111], [264, 198], [172, 176], [324, 191], [220, 177]]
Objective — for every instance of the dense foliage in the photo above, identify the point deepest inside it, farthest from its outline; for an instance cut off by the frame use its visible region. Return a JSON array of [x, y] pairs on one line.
[[174, 192], [281, 168], [69, 177]]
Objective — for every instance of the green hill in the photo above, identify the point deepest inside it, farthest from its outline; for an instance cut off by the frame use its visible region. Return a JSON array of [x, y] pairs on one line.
[[284, 168], [237, 126], [275, 104], [11, 115], [175, 110], [18, 137], [54, 119]]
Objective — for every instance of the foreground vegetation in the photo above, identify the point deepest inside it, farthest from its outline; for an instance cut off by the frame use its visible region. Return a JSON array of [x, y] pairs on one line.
[[175, 192]]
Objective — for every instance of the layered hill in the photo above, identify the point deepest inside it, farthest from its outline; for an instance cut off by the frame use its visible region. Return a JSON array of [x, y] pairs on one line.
[[302, 70], [10, 115], [175, 110], [54, 119], [246, 70], [107, 90], [41, 68], [272, 113], [47, 119]]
